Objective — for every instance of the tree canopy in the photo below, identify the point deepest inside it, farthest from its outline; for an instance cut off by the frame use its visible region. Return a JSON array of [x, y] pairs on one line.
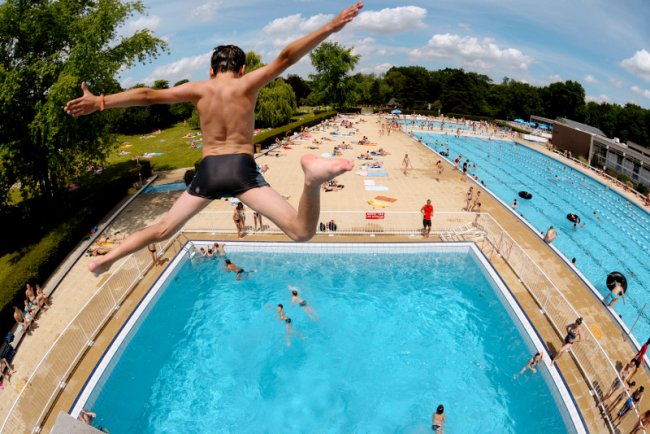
[[332, 63], [46, 50]]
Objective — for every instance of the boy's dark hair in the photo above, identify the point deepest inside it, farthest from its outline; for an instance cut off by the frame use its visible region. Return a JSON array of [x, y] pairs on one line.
[[227, 58]]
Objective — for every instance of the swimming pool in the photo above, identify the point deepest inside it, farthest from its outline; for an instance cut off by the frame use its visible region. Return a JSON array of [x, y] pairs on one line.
[[617, 239], [399, 333], [164, 188]]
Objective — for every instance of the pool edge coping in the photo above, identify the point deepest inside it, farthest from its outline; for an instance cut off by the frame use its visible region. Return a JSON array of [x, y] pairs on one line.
[[487, 269]]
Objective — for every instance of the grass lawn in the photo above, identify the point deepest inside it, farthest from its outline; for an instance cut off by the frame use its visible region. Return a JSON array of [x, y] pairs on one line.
[[176, 149]]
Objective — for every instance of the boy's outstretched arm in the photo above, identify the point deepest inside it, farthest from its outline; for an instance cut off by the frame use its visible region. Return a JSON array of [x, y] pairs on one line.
[[89, 103], [298, 48]]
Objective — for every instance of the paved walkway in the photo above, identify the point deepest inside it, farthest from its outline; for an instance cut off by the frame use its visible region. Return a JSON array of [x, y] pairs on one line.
[[410, 190]]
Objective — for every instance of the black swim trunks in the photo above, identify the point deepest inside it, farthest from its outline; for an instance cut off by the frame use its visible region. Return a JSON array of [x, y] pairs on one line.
[[288, 320], [426, 223], [228, 175]]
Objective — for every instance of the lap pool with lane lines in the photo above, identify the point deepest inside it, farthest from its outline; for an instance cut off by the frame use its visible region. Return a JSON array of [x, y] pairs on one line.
[[401, 331], [619, 241]]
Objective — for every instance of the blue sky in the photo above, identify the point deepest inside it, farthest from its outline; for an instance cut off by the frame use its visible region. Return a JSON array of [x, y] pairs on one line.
[[605, 45]]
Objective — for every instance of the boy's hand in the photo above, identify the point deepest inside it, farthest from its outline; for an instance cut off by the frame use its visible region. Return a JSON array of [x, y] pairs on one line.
[[84, 105], [346, 16]]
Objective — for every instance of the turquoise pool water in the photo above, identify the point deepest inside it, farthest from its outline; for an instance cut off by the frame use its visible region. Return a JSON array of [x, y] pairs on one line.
[[617, 240], [164, 188], [398, 335]]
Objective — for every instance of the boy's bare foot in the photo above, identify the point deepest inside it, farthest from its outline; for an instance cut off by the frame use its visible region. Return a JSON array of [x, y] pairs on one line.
[[97, 268], [318, 170]]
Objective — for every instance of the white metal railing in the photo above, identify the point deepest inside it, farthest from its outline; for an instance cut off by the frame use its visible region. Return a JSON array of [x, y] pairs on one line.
[[51, 373], [347, 222], [589, 355]]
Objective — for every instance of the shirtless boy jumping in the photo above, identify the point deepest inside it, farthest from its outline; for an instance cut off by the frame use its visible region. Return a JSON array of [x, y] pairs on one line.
[[226, 104]]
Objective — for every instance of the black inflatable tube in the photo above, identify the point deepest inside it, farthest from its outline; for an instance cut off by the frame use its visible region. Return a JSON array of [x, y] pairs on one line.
[[615, 277], [573, 218], [525, 195]]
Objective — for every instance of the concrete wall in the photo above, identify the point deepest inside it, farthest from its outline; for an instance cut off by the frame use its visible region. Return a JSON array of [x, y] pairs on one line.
[[576, 141]]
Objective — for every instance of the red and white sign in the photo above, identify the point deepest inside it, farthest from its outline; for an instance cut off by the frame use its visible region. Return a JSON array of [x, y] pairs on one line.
[[374, 216]]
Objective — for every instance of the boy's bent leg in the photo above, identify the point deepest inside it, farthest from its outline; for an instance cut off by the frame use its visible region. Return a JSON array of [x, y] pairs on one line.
[[185, 207], [298, 225]]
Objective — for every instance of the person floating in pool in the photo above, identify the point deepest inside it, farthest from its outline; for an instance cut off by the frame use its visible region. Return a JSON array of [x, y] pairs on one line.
[[616, 292], [438, 420], [226, 104], [295, 299], [240, 273], [551, 235], [532, 363], [574, 334], [597, 216], [287, 324]]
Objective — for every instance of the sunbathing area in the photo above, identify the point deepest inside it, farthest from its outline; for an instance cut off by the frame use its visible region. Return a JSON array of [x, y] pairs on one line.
[[383, 199]]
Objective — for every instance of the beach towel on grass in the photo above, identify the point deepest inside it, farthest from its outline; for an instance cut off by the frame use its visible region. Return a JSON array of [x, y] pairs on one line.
[[376, 188], [386, 199], [368, 182]]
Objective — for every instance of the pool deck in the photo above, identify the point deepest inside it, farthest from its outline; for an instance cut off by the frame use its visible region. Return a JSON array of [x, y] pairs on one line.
[[411, 190]]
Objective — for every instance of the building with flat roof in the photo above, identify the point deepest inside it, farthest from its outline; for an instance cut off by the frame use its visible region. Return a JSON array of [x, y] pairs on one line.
[[589, 142]]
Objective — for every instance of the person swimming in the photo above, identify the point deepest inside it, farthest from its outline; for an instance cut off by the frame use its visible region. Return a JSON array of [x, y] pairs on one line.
[[311, 313], [438, 419], [532, 363], [287, 324], [240, 273]]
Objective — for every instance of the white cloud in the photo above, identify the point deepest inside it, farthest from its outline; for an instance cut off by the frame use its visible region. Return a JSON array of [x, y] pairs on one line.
[[364, 47], [642, 92], [483, 53], [192, 68], [295, 22], [377, 69], [206, 11], [555, 78], [616, 82], [591, 79], [140, 23], [127, 82], [597, 98], [391, 20], [639, 64]]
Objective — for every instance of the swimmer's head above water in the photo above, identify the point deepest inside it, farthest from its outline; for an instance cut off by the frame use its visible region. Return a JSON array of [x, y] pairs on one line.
[[441, 409]]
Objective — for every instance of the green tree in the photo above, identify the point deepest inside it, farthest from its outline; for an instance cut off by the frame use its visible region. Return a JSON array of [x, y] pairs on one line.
[[47, 48], [332, 63], [300, 87], [253, 61], [183, 110], [565, 100], [276, 103]]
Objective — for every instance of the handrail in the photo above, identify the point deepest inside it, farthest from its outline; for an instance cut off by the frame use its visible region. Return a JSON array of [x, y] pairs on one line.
[[71, 332], [575, 351]]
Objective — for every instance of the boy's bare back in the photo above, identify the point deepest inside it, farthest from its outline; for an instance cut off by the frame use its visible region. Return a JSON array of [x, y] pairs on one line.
[[226, 108]]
